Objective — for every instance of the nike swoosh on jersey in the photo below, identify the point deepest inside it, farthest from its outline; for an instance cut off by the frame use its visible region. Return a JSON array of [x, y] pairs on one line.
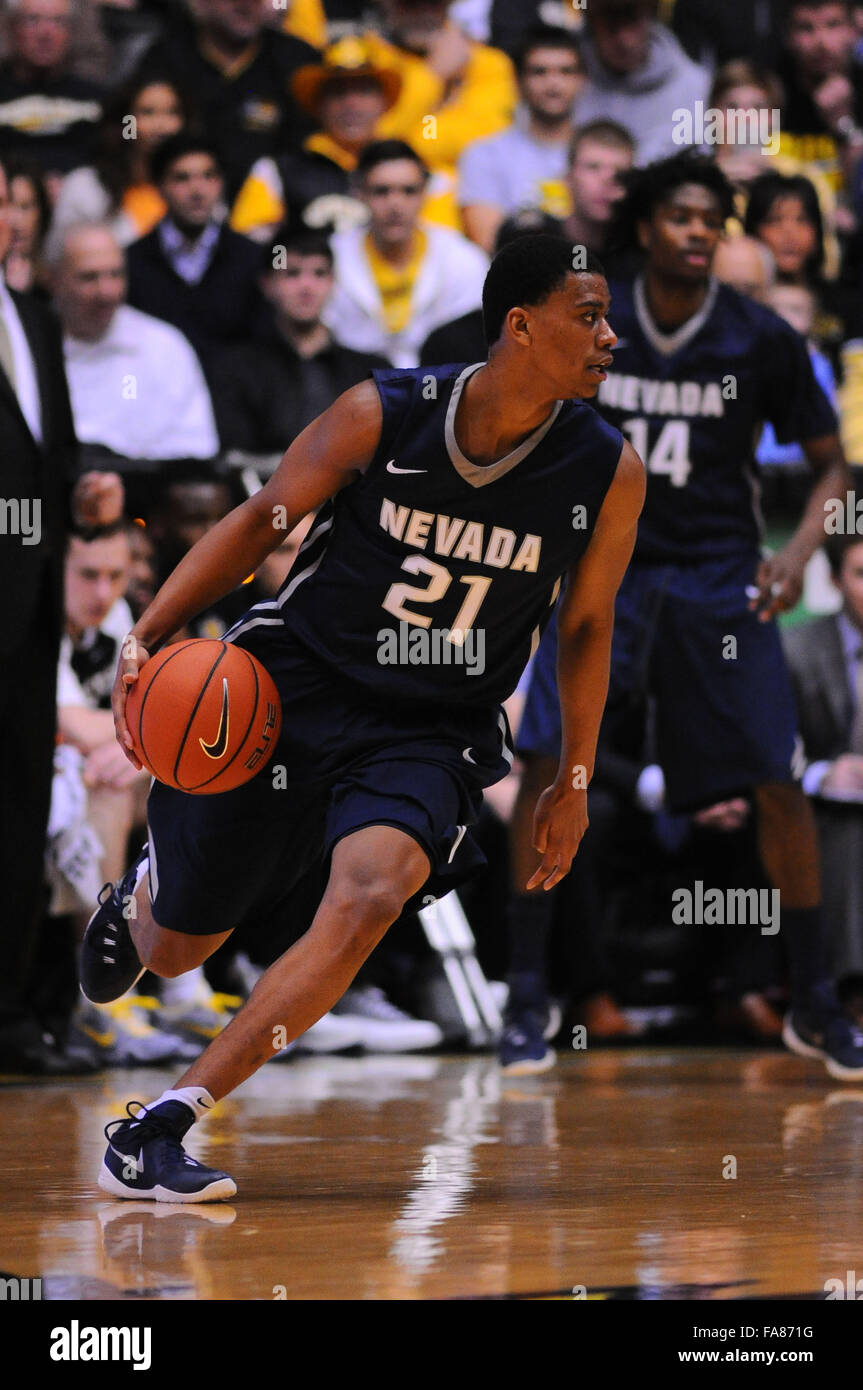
[[391, 468], [217, 749], [467, 756]]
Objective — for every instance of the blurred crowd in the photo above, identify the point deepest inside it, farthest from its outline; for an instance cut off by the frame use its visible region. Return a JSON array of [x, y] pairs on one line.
[[216, 216]]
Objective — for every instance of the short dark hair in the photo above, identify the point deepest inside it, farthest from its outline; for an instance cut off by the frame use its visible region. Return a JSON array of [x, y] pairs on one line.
[[382, 151], [526, 272], [792, 5], [769, 189], [300, 241], [545, 36], [177, 147], [88, 534], [603, 132], [647, 188]]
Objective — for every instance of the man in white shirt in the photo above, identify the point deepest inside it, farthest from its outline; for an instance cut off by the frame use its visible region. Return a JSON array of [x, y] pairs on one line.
[[135, 383], [398, 278], [526, 165]]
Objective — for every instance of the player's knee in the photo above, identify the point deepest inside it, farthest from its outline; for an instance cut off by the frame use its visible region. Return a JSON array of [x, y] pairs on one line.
[[368, 899], [168, 959]]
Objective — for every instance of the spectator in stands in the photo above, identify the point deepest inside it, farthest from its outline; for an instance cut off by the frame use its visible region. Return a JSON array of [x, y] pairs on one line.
[[40, 463], [400, 278], [715, 34], [822, 114], [47, 115], [98, 565], [267, 393], [525, 165], [798, 305], [747, 265], [346, 94], [638, 74], [600, 154], [826, 661], [239, 71], [136, 385], [463, 339], [141, 588], [784, 213], [192, 270], [29, 218], [454, 91], [117, 187]]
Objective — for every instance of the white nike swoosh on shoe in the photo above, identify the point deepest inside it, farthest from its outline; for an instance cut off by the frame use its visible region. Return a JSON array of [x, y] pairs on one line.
[[391, 468]]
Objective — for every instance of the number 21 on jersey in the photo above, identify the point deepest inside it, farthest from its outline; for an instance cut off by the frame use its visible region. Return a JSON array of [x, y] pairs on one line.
[[670, 453]]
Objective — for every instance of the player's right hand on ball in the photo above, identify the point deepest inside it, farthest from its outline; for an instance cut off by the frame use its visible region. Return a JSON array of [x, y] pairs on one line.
[[132, 658]]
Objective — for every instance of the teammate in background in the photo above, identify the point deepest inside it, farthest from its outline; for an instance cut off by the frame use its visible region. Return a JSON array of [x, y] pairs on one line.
[[698, 368], [507, 478]]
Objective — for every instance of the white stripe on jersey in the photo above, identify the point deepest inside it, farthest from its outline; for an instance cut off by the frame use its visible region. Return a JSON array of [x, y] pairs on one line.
[[506, 751], [304, 574], [314, 533]]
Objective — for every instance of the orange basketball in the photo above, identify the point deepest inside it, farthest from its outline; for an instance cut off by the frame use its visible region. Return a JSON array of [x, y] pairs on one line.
[[204, 716]]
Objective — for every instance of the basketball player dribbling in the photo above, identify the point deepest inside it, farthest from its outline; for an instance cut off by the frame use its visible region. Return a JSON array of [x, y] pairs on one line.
[[449, 498]]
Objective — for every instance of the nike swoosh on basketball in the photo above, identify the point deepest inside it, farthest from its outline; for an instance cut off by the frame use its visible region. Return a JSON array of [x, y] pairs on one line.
[[391, 468], [217, 749]]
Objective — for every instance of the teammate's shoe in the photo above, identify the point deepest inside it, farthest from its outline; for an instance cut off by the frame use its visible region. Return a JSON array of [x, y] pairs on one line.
[[146, 1160], [824, 1033], [201, 1013], [109, 962], [331, 1033], [522, 1049], [382, 1026], [124, 1036]]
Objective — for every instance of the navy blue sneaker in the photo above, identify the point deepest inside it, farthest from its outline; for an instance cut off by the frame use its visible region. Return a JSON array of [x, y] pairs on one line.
[[843, 1047], [522, 1049], [145, 1158], [109, 962], [822, 1031]]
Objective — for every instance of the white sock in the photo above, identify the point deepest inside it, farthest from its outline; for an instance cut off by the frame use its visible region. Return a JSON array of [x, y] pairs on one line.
[[182, 989], [196, 1097]]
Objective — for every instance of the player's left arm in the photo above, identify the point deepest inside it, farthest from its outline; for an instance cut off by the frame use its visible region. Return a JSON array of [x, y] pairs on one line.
[[585, 623], [780, 576]]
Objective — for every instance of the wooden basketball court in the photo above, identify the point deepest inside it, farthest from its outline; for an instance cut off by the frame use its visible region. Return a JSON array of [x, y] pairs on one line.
[[433, 1177]]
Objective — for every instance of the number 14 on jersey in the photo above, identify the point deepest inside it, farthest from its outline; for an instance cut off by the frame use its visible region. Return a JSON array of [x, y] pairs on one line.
[[670, 453]]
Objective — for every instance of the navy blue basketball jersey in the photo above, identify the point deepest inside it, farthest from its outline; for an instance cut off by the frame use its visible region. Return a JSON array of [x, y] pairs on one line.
[[430, 577], [692, 404]]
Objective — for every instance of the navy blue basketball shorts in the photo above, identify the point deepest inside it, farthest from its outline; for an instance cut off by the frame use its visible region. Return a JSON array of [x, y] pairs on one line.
[[683, 634], [345, 760]]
